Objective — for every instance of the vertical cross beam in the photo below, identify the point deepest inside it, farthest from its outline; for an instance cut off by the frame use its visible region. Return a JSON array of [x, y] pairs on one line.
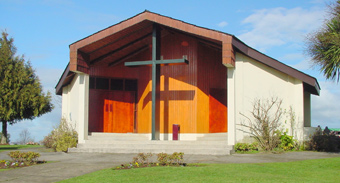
[[155, 79], [155, 73]]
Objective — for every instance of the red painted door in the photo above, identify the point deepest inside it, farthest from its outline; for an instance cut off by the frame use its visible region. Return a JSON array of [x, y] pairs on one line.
[[119, 112]]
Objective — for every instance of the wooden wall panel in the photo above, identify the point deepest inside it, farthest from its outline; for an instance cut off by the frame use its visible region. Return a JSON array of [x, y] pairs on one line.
[[178, 84], [96, 103], [184, 89], [212, 75], [217, 111]]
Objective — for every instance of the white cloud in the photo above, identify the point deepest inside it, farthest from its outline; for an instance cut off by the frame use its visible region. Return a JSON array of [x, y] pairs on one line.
[[297, 61], [279, 26], [303, 65], [222, 24], [325, 108], [292, 57]]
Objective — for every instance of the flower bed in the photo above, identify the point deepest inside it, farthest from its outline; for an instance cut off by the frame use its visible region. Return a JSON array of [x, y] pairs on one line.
[[143, 160], [21, 159], [6, 164]]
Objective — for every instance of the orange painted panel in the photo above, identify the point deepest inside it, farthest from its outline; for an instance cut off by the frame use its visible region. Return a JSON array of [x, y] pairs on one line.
[[217, 111], [212, 77], [119, 112]]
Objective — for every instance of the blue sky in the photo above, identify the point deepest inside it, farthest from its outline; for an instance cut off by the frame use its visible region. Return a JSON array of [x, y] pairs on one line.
[[43, 30]]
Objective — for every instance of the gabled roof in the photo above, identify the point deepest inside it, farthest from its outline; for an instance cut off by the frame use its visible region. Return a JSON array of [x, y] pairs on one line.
[[132, 35]]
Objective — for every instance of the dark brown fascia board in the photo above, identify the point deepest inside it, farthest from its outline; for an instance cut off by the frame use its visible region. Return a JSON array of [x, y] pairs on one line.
[[61, 81], [147, 11], [277, 65]]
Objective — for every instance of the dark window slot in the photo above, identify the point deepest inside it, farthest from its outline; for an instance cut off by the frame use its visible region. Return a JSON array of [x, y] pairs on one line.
[[117, 84], [102, 83], [130, 85]]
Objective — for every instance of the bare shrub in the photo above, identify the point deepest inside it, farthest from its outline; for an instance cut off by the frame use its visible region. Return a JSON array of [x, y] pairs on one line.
[[25, 137], [264, 122]]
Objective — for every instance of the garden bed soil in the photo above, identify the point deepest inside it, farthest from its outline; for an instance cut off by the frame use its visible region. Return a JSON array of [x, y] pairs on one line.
[[12, 164]]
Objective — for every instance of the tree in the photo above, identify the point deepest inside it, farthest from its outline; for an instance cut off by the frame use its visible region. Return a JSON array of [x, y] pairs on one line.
[[324, 45], [8, 138], [21, 95], [25, 136]]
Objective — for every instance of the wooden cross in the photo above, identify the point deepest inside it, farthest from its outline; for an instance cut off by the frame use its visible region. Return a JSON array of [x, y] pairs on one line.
[[155, 62]]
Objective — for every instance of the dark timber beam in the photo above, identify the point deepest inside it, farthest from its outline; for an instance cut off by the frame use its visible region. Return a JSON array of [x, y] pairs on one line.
[[119, 49], [128, 56], [120, 38]]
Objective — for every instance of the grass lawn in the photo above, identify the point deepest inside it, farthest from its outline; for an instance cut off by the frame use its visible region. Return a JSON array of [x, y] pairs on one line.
[[321, 170], [15, 147]]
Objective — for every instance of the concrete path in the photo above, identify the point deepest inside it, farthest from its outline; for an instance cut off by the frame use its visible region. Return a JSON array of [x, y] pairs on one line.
[[68, 165]]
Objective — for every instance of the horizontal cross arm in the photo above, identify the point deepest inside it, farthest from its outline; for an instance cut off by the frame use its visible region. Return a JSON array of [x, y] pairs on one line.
[[150, 62], [172, 61], [137, 63]]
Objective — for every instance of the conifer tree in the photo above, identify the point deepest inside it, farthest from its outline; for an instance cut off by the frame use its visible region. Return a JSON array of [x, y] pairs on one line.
[[21, 95]]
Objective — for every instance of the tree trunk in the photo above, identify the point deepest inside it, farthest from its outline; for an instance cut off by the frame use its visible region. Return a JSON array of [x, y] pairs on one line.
[[4, 133]]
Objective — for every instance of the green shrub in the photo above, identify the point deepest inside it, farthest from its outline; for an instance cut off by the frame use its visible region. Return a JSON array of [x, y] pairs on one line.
[[246, 147], [62, 137], [142, 158], [287, 142], [18, 156], [65, 141], [166, 159], [48, 140], [176, 158], [163, 158], [323, 142]]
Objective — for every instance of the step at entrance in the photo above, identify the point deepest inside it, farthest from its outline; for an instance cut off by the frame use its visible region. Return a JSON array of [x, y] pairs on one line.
[[210, 144]]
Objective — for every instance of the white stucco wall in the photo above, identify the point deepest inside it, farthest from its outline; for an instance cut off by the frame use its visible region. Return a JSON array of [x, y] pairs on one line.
[[75, 98], [254, 80], [69, 107]]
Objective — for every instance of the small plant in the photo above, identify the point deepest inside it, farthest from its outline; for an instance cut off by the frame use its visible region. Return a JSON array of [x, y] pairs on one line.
[[142, 159], [18, 156], [163, 158], [246, 147], [176, 158], [287, 142]]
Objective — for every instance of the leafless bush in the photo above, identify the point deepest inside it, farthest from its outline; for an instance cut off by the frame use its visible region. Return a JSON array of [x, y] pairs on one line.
[[25, 137], [264, 122]]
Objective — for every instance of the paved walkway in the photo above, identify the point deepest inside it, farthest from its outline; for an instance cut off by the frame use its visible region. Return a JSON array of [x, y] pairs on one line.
[[68, 165]]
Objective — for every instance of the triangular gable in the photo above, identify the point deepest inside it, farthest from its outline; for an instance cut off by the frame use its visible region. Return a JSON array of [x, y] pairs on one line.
[[79, 58]]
